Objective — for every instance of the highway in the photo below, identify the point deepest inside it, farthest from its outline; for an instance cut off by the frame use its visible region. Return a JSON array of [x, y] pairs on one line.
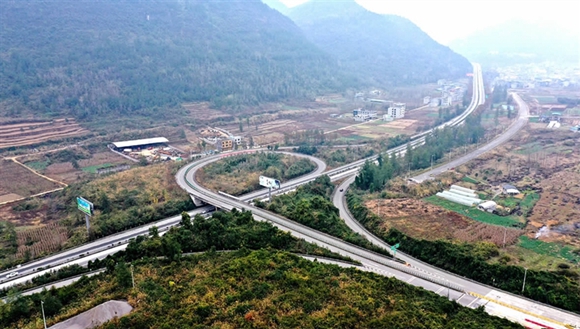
[[513, 129], [464, 291], [102, 247], [87, 251], [513, 307]]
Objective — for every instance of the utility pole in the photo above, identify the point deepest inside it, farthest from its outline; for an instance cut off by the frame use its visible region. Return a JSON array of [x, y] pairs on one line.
[[524, 285], [132, 277], [43, 318]]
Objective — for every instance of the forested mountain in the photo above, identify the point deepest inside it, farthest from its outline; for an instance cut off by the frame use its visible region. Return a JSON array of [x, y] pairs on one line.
[[386, 48], [520, 42], [93, 58]]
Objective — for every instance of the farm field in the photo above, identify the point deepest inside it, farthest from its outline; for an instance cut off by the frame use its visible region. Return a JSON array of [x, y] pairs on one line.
[[422, 220], [274, 122], [73, 164], [538, 159], [122, 200], [17, 181], [22, 134], [39, 241], [474, 213]]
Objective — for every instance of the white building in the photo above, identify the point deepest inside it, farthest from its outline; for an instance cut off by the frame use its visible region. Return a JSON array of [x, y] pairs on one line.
[[446, 101], [435, 102], [426, 100], [362, 115], [509, 189], [396, 111], [237, 140], [488, 206]]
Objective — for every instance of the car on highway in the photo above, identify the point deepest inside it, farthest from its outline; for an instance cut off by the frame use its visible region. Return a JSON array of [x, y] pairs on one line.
[[11, 275], [341, 189]]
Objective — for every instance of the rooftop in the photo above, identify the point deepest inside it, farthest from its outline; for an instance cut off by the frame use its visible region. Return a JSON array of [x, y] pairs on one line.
[[139, 142], [508, 187]]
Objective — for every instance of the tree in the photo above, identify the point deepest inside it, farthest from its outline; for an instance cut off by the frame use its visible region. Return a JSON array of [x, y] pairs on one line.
[[143, 161], [154, 232], [241, 127], [186, 221], [105, 203], [123, 275], [251, 142], [171, 248]]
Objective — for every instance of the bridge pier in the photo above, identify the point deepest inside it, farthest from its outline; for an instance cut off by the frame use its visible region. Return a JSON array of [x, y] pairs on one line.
[[197, 202]]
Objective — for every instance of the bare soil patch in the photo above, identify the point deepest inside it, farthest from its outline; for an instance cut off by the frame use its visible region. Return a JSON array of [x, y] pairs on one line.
[[422, 220], [9, 197], [203, 112], [16, 179]]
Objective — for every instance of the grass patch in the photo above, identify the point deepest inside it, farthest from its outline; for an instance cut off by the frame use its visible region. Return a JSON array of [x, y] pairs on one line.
[[93, 169], [353, 138], [38, 165], [534, 119], [549, 249], [530, 200], [546, 99], [470, 180], [291, 108], [473, 213], [574, 111]]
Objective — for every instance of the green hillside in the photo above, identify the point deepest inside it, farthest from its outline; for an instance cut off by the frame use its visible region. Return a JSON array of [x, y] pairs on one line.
[[257, 284], [385, 49], [93, 58]]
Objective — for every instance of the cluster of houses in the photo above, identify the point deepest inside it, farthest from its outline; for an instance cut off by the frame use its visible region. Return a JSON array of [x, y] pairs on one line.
[[395, 111], [541, 82], [450, 93], [228, 143]]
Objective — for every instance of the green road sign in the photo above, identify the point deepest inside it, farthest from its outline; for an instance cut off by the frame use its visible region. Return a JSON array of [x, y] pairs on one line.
[[85, 206], [395, 247]]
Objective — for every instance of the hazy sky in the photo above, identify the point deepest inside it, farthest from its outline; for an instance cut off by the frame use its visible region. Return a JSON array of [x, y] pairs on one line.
[[446, 20]]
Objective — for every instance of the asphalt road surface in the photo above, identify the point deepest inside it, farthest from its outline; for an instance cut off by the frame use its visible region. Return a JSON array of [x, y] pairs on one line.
[[513, 129]]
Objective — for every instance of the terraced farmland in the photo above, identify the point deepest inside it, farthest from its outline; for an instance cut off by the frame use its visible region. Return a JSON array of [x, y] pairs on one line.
[[29, 133]]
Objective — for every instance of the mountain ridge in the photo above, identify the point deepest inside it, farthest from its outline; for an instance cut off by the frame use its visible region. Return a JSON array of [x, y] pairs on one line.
[[521, 42], [98, 58], [387, 49]]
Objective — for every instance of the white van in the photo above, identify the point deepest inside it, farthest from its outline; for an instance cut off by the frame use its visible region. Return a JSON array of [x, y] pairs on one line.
[[11, 275]]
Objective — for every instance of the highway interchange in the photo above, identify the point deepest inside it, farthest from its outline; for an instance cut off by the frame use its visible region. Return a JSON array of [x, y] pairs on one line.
[[464, 291]]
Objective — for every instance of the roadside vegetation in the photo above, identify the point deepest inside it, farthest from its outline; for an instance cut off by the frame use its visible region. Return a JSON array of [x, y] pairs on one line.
[[240, 174], [559, 288], [312, 206], [373, 177], [122, 200], [260, 288]]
